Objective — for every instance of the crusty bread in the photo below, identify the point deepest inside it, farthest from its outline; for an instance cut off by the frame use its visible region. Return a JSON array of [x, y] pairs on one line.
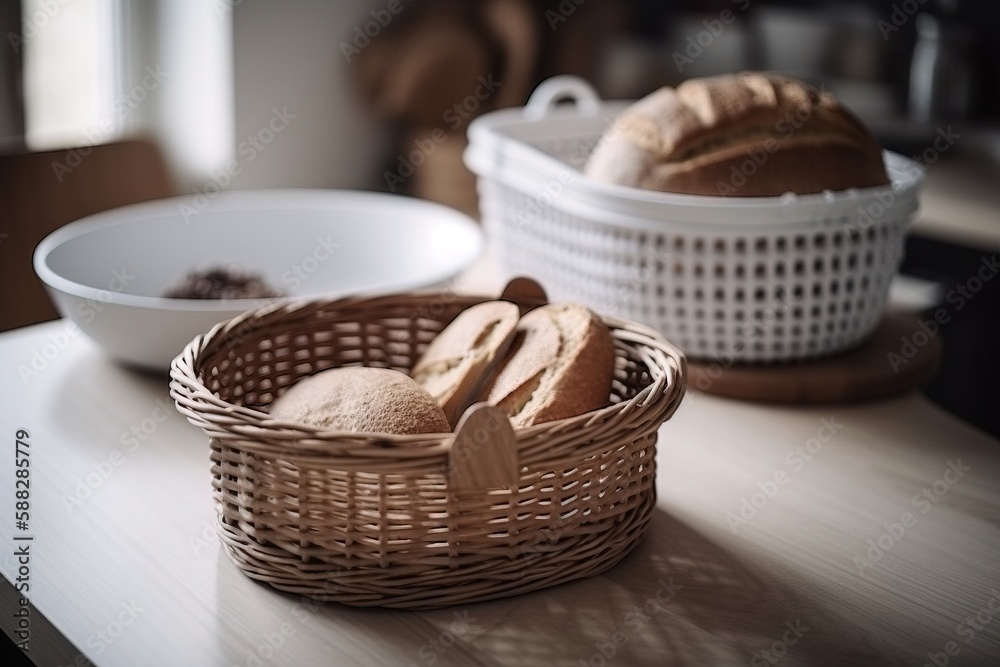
[[747, 134], [362, 400], [455, 364], [560, 365]]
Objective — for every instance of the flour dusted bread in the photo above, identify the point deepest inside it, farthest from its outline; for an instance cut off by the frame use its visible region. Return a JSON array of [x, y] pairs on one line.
[[555, 362], [364, 400], [560, 365], [459, 359], [747, 134]]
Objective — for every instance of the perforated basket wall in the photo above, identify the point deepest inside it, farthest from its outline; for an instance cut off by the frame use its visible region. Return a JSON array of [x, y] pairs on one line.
[[380, 520], [772, 279]]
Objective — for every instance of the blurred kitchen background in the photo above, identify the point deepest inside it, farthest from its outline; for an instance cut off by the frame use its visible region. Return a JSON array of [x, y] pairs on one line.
[[199, 77], [207, 95]]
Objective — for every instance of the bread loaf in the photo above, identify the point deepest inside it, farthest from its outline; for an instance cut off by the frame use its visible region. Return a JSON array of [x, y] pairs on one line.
[[555, 362], [560, 365], [459, 359], [747, 134], [361, 400]]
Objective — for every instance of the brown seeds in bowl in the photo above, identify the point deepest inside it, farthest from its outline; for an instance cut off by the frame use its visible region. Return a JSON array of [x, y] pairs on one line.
[[222, 283]]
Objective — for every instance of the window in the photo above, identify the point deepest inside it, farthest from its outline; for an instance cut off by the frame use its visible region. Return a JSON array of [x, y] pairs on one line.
[[70, 72], [96, 71]]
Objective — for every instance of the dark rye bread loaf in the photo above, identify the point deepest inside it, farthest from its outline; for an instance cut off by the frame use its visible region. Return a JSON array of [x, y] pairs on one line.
[[747, 134]]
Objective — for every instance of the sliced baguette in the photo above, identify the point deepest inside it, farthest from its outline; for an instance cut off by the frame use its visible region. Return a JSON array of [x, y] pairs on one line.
[[560, 365], [459, 358]]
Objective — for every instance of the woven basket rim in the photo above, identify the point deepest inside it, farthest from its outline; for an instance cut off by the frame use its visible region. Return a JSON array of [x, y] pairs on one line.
[[188, 388]]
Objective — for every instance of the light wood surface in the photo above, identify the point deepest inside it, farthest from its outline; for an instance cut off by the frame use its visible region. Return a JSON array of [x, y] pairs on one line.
[[124, 543], [887, 364]]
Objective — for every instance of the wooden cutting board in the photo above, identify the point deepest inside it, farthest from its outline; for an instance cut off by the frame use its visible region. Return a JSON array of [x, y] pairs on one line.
[[899, 357]]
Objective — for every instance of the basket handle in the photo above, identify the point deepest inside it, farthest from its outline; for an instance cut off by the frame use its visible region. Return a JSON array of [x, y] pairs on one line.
[[525, 292], [544, 98], [483, 452]]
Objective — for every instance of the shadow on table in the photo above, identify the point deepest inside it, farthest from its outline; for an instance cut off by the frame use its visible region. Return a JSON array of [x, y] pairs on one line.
[[721, 612], [678, 599], [106, 406]]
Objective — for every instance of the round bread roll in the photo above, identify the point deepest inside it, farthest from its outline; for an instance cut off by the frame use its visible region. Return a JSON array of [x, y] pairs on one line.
[[747, 134], [362, 400], [560, 365]]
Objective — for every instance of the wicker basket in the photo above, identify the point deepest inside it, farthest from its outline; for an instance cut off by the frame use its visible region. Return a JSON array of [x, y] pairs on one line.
[[427, 520], [761, 279]]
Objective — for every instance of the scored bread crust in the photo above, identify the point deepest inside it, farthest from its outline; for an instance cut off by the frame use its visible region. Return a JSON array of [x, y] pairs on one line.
[[460, 358], [561, 365], [361, 400], [747, 134]]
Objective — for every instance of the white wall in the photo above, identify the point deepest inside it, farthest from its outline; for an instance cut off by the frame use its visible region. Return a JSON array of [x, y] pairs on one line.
[[194, 80], [287, 56]]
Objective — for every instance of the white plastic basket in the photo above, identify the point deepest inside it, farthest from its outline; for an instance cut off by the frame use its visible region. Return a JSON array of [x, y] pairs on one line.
[[736, 278]]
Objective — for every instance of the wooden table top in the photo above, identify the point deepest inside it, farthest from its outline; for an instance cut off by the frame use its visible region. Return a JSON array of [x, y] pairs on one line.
[[865, 534]]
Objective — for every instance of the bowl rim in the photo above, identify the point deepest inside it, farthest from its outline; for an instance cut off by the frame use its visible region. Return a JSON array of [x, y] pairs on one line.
[[245, 200]]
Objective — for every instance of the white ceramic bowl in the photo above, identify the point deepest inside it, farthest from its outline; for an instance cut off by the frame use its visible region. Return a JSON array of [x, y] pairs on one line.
[[106, 272]]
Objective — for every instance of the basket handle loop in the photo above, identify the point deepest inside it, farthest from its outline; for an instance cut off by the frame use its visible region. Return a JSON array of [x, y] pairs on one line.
[[543, 99], [525, 292], [483, 452]]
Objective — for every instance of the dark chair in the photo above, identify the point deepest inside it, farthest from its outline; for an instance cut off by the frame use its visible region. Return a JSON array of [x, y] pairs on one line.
[[40, 192]]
